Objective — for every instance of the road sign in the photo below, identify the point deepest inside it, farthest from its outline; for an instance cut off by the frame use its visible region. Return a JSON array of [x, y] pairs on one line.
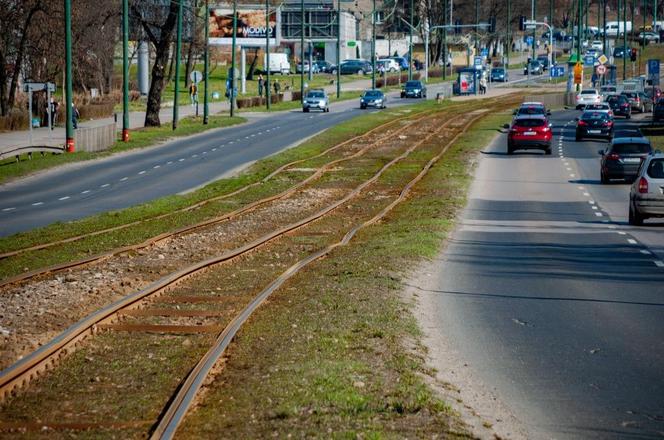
[[603, 59], [485, 52], [557, 71], [196, 76], [477, 62], [653, 72], [601, 69], [589, 60]]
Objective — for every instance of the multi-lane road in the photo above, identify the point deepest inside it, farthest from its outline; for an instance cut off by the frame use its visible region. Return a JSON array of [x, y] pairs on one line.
[[549, 296]]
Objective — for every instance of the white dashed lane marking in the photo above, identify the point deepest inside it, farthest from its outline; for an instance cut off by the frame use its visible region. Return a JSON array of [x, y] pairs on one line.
[[85, 192], [599, 214], [105, 185], [645, 252], [37, 203], [169, 162], [63, 198], [141, 172], [123, 179], [156, 166], [8, 209]]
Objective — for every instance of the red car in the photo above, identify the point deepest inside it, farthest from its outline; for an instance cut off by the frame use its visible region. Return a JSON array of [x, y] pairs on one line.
[[531, 132]]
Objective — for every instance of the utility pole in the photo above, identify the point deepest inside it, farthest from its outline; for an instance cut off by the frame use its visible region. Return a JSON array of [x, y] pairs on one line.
[[338, 49], [477, 25], [231, 94], [604, 33], [177, 67], [532, 11], [509, 34], [302, 51], [410, 43], [624, 39], [445, 23], [68, 80], [125, 70], [267, 54], [373, 46], [206, 67]]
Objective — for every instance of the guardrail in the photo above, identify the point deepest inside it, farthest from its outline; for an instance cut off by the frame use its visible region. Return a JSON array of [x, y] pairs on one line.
[[16, 151]]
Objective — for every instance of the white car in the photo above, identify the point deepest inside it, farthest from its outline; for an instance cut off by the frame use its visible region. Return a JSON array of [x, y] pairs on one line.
[[391, 65], [602, 107], [597, 44], [646, 196], [589, 96]]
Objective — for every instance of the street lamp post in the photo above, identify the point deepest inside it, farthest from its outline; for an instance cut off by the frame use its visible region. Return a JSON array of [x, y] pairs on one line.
[[508, 43], [68, 80], [267, 54], [125, 70], [410, 42], [624, 39], [178, 45], [206, 67], [231, 94], [302, 50], [338, 49], [373, 46]]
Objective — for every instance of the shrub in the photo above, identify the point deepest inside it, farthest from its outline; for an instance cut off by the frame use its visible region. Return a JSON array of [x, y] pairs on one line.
[[16, 119]]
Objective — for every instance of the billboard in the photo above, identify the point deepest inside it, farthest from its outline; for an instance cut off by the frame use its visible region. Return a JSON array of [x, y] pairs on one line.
[[250, 27]]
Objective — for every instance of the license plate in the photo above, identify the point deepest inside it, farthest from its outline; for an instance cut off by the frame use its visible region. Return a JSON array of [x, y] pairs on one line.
[[529, 133], [631, 160], [594, 131]]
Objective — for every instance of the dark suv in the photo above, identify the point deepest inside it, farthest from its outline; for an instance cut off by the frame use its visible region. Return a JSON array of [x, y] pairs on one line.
[[361, 67], [658, 110], [623, 158], [620, 105], [414, 89]]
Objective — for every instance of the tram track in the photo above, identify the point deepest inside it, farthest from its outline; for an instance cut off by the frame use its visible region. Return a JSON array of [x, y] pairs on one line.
[[111, 318]]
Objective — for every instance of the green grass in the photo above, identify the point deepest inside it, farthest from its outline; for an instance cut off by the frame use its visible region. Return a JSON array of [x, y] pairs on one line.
[[140, 138]]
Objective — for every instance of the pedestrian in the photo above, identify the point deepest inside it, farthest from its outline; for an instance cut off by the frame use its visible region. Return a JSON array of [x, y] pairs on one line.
[[53, 108], [75, 115], [261, 83], [193, 93], [277, 87], [483, 86]]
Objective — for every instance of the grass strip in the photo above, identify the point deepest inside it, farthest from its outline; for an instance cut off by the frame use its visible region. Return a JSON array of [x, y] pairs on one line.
[[140, 138], [337, 350]]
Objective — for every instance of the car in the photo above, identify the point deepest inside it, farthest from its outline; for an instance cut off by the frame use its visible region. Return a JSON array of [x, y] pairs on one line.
[[588, 96], [653, 93], [623, 158], [601, 107], [594, 124], [402, 61], [620, 105], [391, 65], [499, 74], [646, 102], [535, 68], [372, 98], [532, 108], [646, 198], [316, 99], [360, 67], [597, 45], [324, 66], [658, 110], [627, 133], [619, 52], [636, 101], [298, 67], [414, 89], [530, 132], [607, 90], [544, 61], [650, 37]]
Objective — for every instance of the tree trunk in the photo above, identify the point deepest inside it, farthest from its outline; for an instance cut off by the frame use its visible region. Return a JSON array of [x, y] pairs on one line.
[[3, 85], [162, 52], [19, 57], [189, 65], [252, 66]]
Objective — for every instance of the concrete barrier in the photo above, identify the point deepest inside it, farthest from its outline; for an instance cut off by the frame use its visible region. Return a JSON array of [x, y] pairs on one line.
[[93, 139], [552, 100]]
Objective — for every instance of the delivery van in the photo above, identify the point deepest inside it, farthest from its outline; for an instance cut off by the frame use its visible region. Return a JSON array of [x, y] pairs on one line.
[[278, 63], [617, 28]]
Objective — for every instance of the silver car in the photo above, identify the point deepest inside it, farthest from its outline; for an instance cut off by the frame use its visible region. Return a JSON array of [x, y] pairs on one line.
[[646, 196], [316, 100]]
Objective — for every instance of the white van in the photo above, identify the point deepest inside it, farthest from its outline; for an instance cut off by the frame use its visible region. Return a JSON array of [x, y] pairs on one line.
[[278, 63], [617, 28]]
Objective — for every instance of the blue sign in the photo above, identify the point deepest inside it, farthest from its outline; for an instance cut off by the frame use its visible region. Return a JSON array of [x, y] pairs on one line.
[[589, 60], [477, 62], [485, 52], [529, 40], [557, 71], [653, 72]]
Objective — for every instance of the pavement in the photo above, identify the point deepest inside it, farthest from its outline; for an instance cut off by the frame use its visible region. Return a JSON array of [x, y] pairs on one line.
[[548, 301]]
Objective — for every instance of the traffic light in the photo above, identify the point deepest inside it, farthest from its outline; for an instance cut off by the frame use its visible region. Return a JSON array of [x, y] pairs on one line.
[[522, 23], [492, 25], [633, 54]]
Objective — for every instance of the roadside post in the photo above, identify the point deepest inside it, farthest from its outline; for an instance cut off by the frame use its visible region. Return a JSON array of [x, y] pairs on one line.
[[70, 142], [196, 77], [653, 77], [178, 45], [125, 70], [206, 67]]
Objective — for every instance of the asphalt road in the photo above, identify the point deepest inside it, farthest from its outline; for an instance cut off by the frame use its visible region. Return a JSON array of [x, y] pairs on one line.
[[551, 298], [125, 180]]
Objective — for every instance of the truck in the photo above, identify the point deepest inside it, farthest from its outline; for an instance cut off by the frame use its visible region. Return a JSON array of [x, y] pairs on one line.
[[617, 28], [278, 63]]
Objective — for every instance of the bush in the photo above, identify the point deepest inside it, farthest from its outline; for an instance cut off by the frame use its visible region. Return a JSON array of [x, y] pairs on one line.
[[243, 102], [96, 110], [15, 120], [297, 95]]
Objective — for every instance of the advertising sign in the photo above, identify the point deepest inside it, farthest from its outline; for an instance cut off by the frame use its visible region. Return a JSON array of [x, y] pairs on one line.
[[251, 29], [466, 82]]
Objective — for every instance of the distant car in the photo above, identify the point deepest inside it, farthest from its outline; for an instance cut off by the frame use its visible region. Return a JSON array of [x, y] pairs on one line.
[[372, 98], [414, 89], [324, 66], [620, 105], [391, 65], [619, 52], [597, 45], [601, 107], [658, 110], [594, 124], [639, 101], [588, 96], [623, 158], [592, 52], [535, 68], [646, 198], [544, 61], [316, 99], [650, 37], [530, 132], [314, 68], [499, 74], [605, 91], [653, 93], [360, 67]]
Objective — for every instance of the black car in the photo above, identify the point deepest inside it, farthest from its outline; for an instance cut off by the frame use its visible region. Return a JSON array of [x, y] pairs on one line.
[[620, 105], [324, 66], [361, 67], [499, 74], [594, 124], [619, 52], [627, 133], [414, 89], [372, 98], [544, 61], [658, 110], [623, 158]]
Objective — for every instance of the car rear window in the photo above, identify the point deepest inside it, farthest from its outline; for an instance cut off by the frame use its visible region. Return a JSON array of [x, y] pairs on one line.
[[656, 169], [589, 92], [372, 94], [315, 95], [627, 148], [529, 122], [589, 116], [531, 110], [412, 84]]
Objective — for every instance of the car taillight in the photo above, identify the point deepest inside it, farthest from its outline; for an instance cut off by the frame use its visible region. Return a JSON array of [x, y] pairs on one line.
[[578, 97], [582, 123], [625, 104], [608, 124], [643, 185], [545, 129], [613, 156]]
